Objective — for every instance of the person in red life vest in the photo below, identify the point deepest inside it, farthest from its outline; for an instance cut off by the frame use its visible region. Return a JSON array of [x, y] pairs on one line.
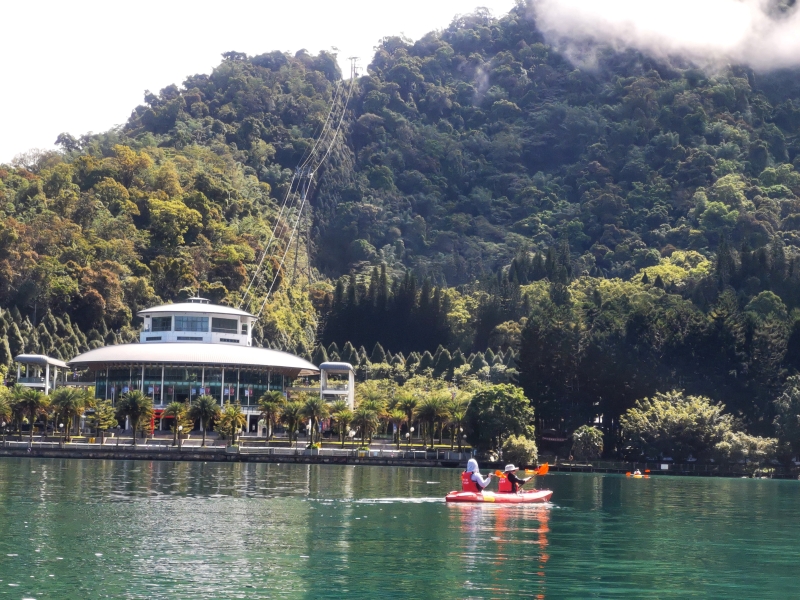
[[471, 479], [516, 482]]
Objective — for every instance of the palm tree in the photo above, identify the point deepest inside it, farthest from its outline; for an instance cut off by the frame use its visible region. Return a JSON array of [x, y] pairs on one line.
[[231, 420], [33, 403], [429, 410], [366, 417], [343, 419], [204, 409], [5, 408], [176, 410], [335, 408], [17, 408], [373, 394], [5, 411], [68, 403], [407, 402], [316, 409], [396, 418], [456, 416], [137, 407], [378, 406], [291, 415], [270, 405]]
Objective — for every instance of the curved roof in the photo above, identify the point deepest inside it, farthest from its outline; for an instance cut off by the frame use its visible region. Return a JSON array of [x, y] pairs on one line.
[[334, 367], [186, 353], [39, 359], [194, 307]]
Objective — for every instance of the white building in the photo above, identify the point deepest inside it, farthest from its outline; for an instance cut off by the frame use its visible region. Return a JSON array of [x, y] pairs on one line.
[[190, 349], [40, 372], [337, 381]]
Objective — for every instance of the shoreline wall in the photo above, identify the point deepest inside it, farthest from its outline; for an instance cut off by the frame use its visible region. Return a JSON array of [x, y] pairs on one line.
[[216, 455], [194, 454]]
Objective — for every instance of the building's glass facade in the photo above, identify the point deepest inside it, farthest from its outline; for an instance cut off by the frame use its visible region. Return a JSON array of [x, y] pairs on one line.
[[162, 324], [170, 383], [198, 324], [219, 325]]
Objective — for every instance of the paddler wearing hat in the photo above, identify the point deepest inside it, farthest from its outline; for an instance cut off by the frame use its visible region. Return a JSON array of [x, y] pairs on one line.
[[516, 482]]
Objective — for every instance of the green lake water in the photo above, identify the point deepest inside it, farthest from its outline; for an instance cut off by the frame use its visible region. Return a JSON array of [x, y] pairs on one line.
[[125, 529]]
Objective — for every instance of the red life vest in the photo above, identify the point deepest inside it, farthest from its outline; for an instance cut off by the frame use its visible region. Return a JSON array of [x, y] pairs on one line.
[[504, 485], [467, 485]]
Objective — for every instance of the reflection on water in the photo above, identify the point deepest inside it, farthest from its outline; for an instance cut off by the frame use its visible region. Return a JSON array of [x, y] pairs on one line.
[[495, 536], [89, 529]]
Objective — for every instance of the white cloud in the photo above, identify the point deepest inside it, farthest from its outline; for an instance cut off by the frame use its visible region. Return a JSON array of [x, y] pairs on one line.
[[84, 65], [707, 32]]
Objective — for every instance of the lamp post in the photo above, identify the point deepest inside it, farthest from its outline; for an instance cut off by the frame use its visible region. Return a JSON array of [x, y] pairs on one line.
[[61, 433], [412, 431], [3, 427], [180, 440], [351, 434]]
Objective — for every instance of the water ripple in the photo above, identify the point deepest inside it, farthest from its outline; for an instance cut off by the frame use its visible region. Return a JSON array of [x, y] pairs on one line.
[[87, 529]]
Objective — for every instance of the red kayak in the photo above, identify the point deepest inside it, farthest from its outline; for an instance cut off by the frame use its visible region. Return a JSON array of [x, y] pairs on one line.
[[530, 497]]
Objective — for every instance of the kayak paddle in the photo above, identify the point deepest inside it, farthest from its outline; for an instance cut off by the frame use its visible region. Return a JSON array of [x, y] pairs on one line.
[[540, 471]]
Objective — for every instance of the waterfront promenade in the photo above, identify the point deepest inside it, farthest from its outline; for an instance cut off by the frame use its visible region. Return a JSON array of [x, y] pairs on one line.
[[248, 450]]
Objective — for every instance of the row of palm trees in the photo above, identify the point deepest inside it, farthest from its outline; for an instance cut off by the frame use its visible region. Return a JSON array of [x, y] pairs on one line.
[[137, 408], [64, 406], [430, 410], [291, 413], [276, 408], [373, 411]]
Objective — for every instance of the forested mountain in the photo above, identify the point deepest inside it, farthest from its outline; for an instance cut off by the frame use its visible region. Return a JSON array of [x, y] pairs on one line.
[[626, 227]]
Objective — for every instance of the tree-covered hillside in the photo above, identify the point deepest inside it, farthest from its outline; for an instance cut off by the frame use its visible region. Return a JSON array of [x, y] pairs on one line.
[[623, 228]]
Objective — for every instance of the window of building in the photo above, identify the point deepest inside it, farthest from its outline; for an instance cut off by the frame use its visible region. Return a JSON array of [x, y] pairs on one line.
[[191, 324], [224, 325], [244, 328], [162, 324]]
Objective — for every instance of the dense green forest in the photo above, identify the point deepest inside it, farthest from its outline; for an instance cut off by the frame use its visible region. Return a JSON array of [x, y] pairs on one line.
[[607, 232]]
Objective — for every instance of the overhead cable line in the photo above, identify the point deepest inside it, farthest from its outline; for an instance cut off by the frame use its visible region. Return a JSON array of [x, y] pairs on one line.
[[304, 160], [308, 175]]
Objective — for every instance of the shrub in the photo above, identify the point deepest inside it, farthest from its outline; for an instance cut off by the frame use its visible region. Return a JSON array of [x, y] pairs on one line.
[[496, 412], [677, 425], [520, 450], [587, 442], [738, 445]]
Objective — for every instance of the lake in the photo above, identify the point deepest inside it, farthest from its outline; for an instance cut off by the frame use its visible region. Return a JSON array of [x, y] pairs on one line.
[[137, 529]]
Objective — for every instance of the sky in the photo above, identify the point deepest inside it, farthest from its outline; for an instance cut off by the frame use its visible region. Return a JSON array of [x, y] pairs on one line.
[[83, 65]]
